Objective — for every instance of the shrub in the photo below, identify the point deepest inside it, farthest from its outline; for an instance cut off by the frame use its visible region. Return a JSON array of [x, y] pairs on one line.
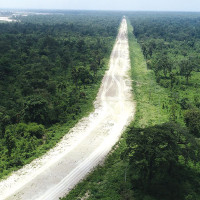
[[192, 120]]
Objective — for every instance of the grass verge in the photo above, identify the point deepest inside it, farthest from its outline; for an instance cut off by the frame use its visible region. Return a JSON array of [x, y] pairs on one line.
[[151, 98]]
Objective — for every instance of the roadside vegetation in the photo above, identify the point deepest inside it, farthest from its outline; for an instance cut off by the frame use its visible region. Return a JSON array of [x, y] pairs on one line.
[[50, 71], [51, 67], [158, 155], [112, 180], [164, 158], [171, 46]]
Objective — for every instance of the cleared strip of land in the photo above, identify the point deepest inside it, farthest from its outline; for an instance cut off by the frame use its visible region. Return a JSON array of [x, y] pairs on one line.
[[6, 19], [87, 144]]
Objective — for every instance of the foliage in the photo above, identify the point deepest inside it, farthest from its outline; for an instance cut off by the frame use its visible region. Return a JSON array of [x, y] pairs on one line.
[[19, 143], [155, 105], [106, 182], [55, 86], [159, 157], [171, 59], [46, 78], [112, 180], [192, 120], [170, 45]]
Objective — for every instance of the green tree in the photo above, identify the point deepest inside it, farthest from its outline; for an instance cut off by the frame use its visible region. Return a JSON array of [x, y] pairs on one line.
[[192, 120], [187, 66], [163, 64], [94, 68], [81, 75], [36, 109], [154, 156]]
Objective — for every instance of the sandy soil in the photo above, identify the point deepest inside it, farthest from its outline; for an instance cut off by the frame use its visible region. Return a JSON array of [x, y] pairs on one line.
[[57, 172], [7, 19]]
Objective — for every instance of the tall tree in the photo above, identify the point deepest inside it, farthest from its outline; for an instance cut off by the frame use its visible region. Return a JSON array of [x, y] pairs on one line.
[[154, 156]]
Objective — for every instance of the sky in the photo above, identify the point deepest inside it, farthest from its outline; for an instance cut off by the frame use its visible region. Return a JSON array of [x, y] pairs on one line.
[[136, 5]]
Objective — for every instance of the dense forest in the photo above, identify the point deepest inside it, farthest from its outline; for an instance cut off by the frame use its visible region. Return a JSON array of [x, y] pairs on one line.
[[167, 166], [171, 47], [158, 156], [50, 70]]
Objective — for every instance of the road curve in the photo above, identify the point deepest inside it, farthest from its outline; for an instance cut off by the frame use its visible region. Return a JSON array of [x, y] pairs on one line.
[[57, 172]]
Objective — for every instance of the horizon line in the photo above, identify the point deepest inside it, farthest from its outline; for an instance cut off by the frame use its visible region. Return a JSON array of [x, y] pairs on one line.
[[59, 9]]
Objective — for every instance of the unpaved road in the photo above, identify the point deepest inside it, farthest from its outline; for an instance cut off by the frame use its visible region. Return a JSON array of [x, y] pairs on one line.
[[57, 172]]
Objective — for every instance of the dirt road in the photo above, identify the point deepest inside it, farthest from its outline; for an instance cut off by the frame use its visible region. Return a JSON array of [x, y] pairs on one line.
[[53, 175]]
